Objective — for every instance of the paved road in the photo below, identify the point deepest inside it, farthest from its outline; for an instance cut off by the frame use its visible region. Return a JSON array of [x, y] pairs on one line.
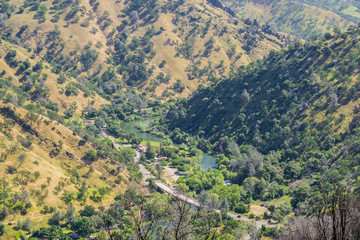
[[171, 189]]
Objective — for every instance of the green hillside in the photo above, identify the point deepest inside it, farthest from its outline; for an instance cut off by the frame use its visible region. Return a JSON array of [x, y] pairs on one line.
[[300, 18], [314, 81], [289, 122]]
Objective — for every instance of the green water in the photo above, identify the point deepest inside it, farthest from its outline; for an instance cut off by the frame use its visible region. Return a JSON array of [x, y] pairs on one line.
[[207, 162], [130, 128]]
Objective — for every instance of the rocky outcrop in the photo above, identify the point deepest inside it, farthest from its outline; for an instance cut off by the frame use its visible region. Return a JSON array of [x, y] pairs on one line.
[[219, 4]]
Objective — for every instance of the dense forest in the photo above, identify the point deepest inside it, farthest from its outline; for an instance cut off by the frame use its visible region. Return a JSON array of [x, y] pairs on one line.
[[286, 125]]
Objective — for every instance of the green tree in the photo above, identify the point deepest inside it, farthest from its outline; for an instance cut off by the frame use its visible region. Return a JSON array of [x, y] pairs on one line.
[[84, 226], [88, 58], [142, 157], [300, 195], [90, 155], [52, 233], [159, 169], [2, 229], [162, 64], [150, 152]]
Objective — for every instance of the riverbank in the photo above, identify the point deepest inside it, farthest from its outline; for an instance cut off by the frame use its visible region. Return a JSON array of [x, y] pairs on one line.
[[171, 190], [140, 129]]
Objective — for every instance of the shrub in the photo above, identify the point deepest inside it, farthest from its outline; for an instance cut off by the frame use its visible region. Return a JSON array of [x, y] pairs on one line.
[[2, 229], [90, 155], [68, 113], [241, 208], [4, 213], [162, 64], [61, 79], [88, 58], [88, 211], [179, 86]]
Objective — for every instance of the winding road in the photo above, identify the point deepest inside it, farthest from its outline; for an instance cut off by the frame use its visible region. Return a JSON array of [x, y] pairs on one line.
[[171, 189]]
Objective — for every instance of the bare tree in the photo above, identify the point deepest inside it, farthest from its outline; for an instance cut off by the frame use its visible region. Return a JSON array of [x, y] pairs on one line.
[[148, 212], [181, 220], [333, 99], [253, 232], [337, 218]]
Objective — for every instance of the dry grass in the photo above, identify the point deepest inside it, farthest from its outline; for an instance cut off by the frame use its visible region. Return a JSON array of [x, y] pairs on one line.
[[169, 174], [76, 37], [56, 90], [258, 210], [38, 160], [324, 19], [205, 12]]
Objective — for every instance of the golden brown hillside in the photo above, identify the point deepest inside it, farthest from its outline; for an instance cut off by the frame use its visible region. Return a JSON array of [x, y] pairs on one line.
[[164, 47], [44, 165], [55, 91]]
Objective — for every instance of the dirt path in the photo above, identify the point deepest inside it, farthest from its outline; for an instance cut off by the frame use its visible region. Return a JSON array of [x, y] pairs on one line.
[[170, 189], [170, 172]]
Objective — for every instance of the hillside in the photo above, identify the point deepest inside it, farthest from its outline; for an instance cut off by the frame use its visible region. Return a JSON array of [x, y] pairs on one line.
[[44, 169], [179, 119], [34, 75], [286, 126], [50, 160], [300, 18], [146, 44], [311, 83]]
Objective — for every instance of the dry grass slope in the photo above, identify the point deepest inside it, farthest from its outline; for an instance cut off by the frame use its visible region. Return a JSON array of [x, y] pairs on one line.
[[54, 156], [56, 93], [234, 42]]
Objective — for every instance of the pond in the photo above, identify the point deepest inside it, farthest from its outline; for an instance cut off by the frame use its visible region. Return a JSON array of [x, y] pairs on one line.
[[130, 128], [208, 161]]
